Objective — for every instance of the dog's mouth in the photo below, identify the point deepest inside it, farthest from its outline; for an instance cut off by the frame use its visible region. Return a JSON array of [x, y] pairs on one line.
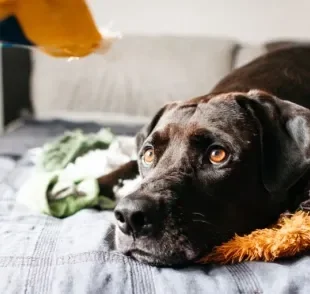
[[157, 252], [144, 256], [159, 260]]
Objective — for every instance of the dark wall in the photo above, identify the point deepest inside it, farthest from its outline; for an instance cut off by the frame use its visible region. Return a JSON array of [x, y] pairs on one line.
[[16, 69]]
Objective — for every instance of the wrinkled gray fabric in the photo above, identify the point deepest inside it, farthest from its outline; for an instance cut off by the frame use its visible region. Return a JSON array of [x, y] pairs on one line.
[[31, 133], [42, 254]]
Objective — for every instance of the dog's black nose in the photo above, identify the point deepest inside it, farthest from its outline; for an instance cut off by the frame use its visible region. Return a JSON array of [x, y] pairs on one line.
[[135, 216]]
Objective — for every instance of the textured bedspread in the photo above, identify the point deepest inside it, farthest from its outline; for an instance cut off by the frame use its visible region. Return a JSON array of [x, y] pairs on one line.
[[42, 254]]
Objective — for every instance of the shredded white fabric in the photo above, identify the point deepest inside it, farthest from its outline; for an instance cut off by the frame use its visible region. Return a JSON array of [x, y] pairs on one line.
[[98, 162]]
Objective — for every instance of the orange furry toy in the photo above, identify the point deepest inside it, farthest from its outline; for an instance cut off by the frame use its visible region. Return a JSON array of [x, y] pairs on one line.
[[288, 237]]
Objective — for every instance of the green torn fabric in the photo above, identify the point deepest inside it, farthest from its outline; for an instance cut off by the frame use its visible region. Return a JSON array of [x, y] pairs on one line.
[[58, 154], [46, 193], [43, 193]]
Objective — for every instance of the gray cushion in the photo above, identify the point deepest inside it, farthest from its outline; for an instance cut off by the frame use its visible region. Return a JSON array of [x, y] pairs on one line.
[[136, 77]]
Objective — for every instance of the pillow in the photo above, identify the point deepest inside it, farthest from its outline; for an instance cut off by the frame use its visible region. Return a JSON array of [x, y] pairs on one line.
[[136, 77]]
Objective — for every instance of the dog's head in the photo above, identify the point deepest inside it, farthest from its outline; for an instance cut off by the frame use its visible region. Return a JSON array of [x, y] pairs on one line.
[[212, 167]]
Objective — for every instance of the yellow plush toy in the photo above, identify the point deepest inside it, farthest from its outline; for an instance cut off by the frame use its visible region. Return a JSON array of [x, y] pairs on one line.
[[289, 237], [63, 28]]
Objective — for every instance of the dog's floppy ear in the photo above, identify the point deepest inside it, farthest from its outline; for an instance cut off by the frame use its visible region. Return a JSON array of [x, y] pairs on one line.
[[147, 129], [284, 129]]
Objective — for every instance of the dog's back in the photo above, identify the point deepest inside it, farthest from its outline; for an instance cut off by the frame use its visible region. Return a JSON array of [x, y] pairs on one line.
[[284, 73]]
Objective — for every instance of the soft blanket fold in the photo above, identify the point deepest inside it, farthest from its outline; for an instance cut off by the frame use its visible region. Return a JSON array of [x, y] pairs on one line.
[[68, 170]]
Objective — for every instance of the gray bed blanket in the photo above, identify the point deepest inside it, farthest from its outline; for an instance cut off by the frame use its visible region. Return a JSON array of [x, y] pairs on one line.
[[42, 254]]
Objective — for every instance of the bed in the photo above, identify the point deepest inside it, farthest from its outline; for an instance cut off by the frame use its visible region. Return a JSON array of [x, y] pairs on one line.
[[42, 254]]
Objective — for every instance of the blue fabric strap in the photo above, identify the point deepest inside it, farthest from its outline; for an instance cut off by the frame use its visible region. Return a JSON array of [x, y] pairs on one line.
[[12, 33]]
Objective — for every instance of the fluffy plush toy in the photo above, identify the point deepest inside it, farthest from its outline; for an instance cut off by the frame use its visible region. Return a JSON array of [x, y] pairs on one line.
[[289, 237], [62, 28]]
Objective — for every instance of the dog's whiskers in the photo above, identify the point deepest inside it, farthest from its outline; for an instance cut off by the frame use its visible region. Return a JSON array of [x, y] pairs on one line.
[[204, 221], [200, 214]]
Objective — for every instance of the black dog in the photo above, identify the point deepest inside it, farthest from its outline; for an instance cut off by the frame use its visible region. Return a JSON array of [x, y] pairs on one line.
[[229, 162]]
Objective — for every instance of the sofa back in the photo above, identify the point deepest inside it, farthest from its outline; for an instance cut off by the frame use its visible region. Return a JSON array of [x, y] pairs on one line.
[[134, 79]]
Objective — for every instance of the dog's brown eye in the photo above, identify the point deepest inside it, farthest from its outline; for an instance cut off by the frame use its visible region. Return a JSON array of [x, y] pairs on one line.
[[217, 155], [148, 156]]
